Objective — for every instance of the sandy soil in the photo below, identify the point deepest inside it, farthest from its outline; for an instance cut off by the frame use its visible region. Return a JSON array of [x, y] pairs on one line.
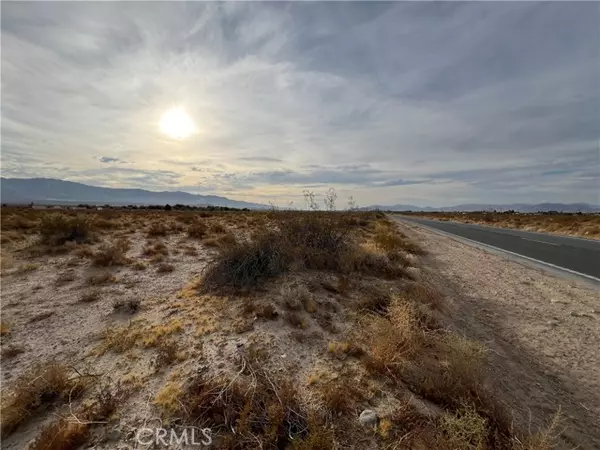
[[543, 333]]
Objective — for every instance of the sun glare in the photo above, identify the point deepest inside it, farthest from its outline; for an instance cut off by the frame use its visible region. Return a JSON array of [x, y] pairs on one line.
[[176, 123]]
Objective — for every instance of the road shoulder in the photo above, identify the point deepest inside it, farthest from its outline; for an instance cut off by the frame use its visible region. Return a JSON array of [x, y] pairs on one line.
[[542, 332]]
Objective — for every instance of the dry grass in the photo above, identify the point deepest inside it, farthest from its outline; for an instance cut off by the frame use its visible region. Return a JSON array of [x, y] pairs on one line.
[[137, 334], [157, 229], [57, 229], [392, 339], [197, 230], [61, 435], [112, 254], [264, 414], [41, 385]]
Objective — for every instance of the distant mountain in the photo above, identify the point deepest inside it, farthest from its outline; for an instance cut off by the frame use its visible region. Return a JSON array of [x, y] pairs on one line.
[[519, 207], [51, 191]]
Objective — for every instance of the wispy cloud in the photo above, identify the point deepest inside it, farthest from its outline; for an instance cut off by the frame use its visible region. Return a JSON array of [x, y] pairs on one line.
[[109, 160], [404, 102]]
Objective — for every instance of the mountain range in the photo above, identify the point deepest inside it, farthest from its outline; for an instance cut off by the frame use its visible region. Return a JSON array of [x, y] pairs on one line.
[[50, 191], [518, 207]]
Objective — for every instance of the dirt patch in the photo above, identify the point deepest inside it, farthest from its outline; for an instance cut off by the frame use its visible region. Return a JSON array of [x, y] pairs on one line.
[[543, 333]]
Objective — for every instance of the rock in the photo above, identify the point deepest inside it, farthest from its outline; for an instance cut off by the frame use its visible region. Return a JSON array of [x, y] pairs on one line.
[[553, 322], [368, 418]]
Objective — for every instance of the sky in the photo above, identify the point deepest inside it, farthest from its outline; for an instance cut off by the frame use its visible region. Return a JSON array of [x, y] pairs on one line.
[[392, 103]]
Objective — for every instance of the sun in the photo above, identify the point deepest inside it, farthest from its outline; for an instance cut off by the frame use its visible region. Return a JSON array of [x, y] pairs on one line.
[[176, 123]]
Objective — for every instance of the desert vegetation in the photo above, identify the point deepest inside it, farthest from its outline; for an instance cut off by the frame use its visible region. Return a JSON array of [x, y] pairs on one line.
[[275, 329], [572, 224]]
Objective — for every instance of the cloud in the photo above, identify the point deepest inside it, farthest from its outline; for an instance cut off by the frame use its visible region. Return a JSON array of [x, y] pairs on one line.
[[260, 159], [109, 160], [425, 102]]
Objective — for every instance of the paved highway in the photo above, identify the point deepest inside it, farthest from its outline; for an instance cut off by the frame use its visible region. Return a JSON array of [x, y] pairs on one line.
[[575, 254]]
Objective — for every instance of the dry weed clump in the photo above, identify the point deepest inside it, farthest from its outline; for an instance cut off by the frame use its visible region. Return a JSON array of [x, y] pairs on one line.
[[157, 229], [61, 435], [112, 254], [393, 339], [73, 432], [154, 249], [197, 230], [245, 414], [57, 229], [43, 384], [392, 241]]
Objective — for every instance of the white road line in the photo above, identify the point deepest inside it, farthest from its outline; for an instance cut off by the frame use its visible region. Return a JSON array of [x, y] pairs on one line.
[[543, 242], [477, 243]]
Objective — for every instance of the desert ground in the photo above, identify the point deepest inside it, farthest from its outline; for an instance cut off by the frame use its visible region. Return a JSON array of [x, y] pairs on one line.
[[281, 329], [568, 224]]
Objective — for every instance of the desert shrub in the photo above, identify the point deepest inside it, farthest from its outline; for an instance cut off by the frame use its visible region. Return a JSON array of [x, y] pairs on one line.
[[158, 248], [374, 264], [245, 264], [57, 229], [389, 239], [157, 229], [112, 254], [167, 352], [42, 384], [393, 339], [316, 242], [61, 435], [197, 230], [217, 228], [18, 222], [373, 300], [312, 241], [267, 415]]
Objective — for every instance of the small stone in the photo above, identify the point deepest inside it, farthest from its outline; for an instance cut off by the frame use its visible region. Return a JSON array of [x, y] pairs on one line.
[[368, 418], [553, 322]]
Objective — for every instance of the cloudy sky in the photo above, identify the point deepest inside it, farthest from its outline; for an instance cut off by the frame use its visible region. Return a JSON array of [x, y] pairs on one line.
[[421, 103]]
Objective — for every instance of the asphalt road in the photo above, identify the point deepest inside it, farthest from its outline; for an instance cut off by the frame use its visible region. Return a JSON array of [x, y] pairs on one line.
[[579, 255]]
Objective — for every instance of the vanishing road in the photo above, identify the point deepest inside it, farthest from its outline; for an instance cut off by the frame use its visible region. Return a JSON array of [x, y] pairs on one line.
[[574, 254]]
